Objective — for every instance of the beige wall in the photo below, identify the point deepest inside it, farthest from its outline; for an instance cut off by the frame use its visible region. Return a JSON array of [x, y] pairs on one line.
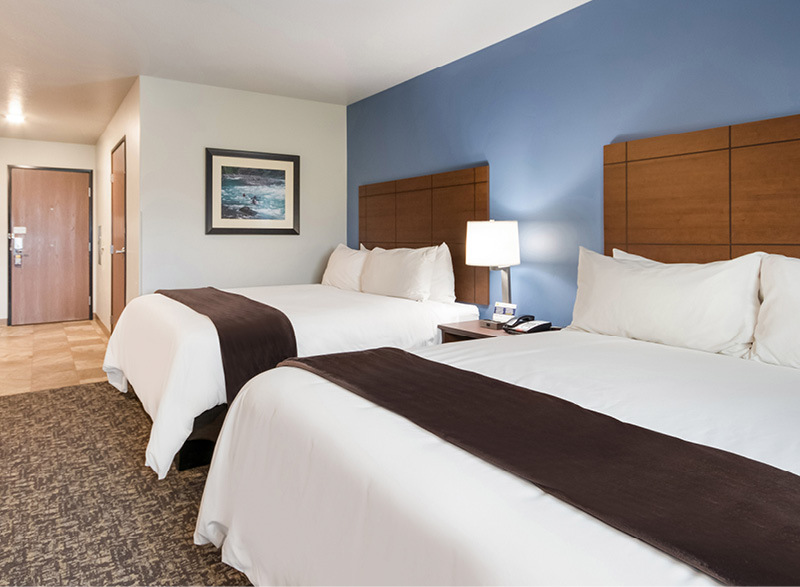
[[167, 126], [178, 122], [38, 154], [125, 123]]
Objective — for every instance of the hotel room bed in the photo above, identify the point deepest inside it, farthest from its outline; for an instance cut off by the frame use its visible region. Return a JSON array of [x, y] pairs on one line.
[[170, 353], [313, 484]]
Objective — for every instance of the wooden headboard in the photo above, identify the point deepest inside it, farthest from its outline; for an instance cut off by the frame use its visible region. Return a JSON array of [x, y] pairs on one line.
[[706, 195], [429, 210]]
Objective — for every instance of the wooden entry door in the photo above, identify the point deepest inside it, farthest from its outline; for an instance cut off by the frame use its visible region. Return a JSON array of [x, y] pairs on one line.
[[50, 258], [118, 236]]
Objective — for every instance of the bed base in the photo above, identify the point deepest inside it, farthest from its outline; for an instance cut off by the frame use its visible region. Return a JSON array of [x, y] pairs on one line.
[[199, 447]]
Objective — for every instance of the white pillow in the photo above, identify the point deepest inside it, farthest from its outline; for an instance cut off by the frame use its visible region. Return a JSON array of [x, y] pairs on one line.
[[344, 268], [443, 281], [401, 273], [710, 307], [620, 254], [777, 337]]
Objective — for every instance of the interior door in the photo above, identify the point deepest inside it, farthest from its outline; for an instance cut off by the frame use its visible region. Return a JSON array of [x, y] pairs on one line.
[[118, 236], [50, 250]]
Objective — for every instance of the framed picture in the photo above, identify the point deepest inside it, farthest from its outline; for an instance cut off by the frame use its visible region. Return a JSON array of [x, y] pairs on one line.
[[252, 193]]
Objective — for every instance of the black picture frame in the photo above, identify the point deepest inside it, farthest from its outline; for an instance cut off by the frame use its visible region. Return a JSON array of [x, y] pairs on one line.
[[261, 177]]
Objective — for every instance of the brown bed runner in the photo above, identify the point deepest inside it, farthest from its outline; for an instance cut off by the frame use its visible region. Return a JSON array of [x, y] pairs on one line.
[[253, 337], [732, 518]]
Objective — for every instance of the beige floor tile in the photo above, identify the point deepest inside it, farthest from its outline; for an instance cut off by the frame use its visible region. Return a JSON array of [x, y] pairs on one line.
[[89, 364], [93, 357], [15, 384], [12, 331], [11, 365], [50, 344], [54, 352], [48, 330], [91, 375], [47, 356], [82, 340], [94, 380], [49, 338], [14, 378], [22, 351], [7, 389], [48, 327], [91, 348], [54, 379], [90, 334], [16, 353], [78, 324], [54, 360]]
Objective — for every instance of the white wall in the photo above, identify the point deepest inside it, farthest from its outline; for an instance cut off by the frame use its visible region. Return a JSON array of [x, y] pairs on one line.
[[125, 123], [39, 154], [178, 122]]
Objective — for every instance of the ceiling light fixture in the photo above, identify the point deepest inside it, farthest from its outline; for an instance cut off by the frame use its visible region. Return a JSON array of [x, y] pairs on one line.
[[15, 115]]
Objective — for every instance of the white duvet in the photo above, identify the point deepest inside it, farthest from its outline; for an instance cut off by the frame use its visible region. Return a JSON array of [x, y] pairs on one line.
[[311, 484], [170, 353]]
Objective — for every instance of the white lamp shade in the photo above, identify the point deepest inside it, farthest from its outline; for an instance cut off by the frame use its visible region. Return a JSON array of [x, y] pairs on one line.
[[492, 243]]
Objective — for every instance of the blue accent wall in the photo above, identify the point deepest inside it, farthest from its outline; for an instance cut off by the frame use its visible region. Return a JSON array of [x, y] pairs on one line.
[[538, 108]]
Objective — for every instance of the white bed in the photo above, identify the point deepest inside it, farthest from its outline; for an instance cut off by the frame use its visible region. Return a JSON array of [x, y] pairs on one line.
[[170, 354], [312, 484]]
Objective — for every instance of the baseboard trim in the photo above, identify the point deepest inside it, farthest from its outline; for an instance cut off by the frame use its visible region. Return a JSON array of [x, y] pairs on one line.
[[101, 325]]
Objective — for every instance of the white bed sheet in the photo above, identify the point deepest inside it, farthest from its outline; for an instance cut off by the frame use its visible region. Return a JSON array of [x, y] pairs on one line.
[[170, 353], [312, 484]]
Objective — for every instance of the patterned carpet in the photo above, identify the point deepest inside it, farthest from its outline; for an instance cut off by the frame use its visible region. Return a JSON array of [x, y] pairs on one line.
[[78, 506]]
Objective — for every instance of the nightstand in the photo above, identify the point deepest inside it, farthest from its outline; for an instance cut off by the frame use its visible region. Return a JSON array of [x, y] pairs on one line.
[[466, 330]]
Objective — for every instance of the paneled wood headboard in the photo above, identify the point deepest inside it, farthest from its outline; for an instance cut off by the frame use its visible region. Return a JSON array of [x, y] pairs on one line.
[[706, 195], [429, 210]]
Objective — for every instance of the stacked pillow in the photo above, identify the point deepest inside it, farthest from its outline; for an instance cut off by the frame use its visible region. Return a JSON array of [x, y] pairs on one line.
[[416, 274], [712, 307], [344, 268], [777, 336]]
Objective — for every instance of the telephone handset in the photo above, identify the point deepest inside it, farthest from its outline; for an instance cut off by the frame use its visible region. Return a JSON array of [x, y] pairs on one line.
[[525, 324]]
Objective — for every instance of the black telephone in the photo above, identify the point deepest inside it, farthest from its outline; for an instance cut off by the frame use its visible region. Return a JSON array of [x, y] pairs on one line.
[[525, 324]]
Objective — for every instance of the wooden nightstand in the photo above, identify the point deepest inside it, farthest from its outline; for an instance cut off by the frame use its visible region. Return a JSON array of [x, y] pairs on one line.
[[466, 330]]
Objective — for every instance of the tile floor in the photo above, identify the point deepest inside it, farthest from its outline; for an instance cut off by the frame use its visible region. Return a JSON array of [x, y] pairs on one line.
[[46, 356]]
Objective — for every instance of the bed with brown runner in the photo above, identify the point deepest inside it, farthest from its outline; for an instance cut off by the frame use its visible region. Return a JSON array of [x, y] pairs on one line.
[[171, 353], [478, 480]]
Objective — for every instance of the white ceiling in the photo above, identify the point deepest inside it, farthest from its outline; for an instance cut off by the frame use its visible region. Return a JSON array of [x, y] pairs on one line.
[[69, 63]]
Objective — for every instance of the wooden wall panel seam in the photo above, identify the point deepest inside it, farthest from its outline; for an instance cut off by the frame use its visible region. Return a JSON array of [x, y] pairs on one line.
[[637, 160], [765, 131], [750, 145], [730, 193], [672, 144], [627, 183], [762, 190]]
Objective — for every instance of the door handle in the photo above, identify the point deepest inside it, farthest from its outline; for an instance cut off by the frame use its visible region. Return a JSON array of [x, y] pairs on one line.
[[121, 251]]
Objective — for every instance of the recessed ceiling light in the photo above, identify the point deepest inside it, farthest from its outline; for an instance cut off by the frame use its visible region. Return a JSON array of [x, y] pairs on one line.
[[15, 115]]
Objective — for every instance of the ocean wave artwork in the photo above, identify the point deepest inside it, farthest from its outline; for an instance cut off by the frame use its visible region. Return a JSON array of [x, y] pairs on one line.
[[253, 194]]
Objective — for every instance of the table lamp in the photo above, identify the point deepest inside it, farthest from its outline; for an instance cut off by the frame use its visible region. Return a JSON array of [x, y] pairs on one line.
[[494, 244]]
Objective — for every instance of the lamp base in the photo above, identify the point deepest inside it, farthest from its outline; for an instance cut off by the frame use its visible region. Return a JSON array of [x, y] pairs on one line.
[[505, 283]]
